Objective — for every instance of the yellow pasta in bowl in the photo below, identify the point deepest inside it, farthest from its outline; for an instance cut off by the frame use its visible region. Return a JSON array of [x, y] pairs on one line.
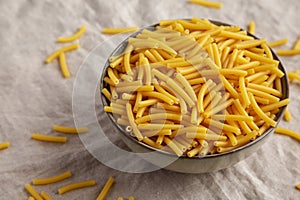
[[204, 91]]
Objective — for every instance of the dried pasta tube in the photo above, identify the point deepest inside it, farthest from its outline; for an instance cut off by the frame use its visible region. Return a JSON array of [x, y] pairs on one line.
[[119, 30], [106, 93], [259, 112], [251, 27], [287, 115], [298, 186], [173, 146], [63, 129], [106, 188], [288, 52], [45, 196], [297, 44], [4, 145], [135, 129], [33, 192], [77, 185], [54, 179], [61, 50], [73, 37], [112, 76], [194, 151], [63, 65], [278, 42], [288, 132], [207, 3], [127, 54], [201, 94], [244, 94], [137, 101], [49, 138]]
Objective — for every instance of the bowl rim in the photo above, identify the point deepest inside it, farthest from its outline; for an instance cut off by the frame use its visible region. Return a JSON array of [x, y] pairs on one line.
[[284, 82]]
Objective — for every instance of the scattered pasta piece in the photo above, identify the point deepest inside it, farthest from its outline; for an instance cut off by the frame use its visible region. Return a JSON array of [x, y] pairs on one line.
[[54, 179], [120, 198], [4, 145], [45, 196], [278, 42], [287, 115], [288, 52], [131, 198], [73, 37], [33, 192], [119, 30], [293, 75], [63, 65], [251, 27], [288, 132], [207, 3], [49, 138], [77, 185], [30, 198], [298, 186], [56, 53], [297, 44], [106, 188], [71, 130]]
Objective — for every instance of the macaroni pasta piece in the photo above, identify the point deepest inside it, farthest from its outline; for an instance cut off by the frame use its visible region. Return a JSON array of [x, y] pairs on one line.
[[4, 145], [54, 179], [298, 186], [76, 185], [45, 196], [61, 50], [289, 52], [207, 3], [251, 27], [106, 188], [64, 129], [287, 115], [32, 192], [278, 42], [49, 138], [288, 132], [119, 30], [73, 37], [63, 65]]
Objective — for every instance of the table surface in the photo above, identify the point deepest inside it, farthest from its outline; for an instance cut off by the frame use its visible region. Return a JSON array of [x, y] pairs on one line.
[[34, 96]]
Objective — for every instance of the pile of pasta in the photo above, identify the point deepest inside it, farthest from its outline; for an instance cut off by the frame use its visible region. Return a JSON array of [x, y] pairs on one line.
[[194, 88]]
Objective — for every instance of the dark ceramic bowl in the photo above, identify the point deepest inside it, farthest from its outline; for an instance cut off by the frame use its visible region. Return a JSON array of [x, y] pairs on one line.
[[185, 164]]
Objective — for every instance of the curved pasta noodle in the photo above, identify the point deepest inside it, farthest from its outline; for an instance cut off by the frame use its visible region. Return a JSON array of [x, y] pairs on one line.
[[77, 185], [54, 179], [288, 132], [73, 37]]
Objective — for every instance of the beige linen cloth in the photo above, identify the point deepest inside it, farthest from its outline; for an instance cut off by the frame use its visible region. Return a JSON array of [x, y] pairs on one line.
[[34, 96]]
